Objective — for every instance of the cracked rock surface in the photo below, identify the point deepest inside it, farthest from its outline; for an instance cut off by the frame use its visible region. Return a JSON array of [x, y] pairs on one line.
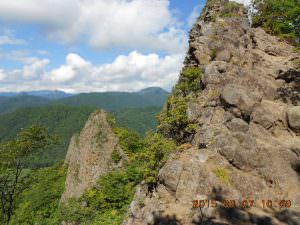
[[248, 120]]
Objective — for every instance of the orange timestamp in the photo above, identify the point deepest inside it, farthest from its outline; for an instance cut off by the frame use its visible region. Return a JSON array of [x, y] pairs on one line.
[[246, 203]]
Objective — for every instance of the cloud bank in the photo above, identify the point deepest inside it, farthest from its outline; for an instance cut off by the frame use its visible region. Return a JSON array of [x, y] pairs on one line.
[[127, 73]]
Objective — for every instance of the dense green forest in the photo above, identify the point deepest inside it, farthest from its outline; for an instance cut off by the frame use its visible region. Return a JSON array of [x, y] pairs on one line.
[[9, 104], [61, 120], [64, 121], [137, 119], [58, 119]]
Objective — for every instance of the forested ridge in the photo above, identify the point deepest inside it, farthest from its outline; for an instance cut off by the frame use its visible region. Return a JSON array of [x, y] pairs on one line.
[[109, 101]]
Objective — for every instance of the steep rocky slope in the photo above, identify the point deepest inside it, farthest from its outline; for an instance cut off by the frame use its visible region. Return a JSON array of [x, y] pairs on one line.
[[90, 155], [246, 144]]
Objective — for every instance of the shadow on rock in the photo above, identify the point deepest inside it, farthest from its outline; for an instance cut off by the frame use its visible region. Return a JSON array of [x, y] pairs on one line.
[[208, 221], [166, 220], [240, 216], [289, 217], [297, 168]]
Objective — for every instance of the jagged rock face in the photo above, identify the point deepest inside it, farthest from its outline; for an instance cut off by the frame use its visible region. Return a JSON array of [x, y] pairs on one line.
[[89, 155], [247, 144]]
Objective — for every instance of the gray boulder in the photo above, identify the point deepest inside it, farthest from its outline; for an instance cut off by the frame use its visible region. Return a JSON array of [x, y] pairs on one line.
[[293, 115]]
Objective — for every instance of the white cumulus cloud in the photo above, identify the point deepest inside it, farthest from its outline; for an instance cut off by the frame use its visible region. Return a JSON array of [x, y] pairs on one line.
[[103, 24], [32, 71], [75, 66], [126, 73], [35, 69]]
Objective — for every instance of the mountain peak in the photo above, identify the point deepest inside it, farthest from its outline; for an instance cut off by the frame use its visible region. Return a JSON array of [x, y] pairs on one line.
[[155, 90], [90, 155]]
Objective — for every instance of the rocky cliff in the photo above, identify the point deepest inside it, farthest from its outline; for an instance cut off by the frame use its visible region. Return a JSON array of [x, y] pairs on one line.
[[90, 155], [246, 144]]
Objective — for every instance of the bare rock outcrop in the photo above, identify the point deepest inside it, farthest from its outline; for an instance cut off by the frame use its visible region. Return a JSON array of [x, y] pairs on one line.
[[89, 155], [247, 142]]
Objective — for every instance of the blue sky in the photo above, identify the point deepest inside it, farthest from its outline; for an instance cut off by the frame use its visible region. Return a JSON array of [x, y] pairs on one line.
[[93, 45]]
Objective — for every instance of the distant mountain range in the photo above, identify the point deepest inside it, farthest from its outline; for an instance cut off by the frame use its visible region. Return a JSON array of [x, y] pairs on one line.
[[152, 96], [118, 100], [43, 93]]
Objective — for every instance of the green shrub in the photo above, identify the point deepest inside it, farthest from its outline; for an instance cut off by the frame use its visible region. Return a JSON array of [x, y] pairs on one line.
[[156, 153], [111, 217], [190, 79], [116, 157], [173, 120], [106, 202], [135, 172], [131, 142], [279, 17], [113, 191], [111, 119], [74, 211]]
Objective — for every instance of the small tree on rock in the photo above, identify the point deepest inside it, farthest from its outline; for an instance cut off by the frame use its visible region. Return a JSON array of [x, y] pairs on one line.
[[13, 155]]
